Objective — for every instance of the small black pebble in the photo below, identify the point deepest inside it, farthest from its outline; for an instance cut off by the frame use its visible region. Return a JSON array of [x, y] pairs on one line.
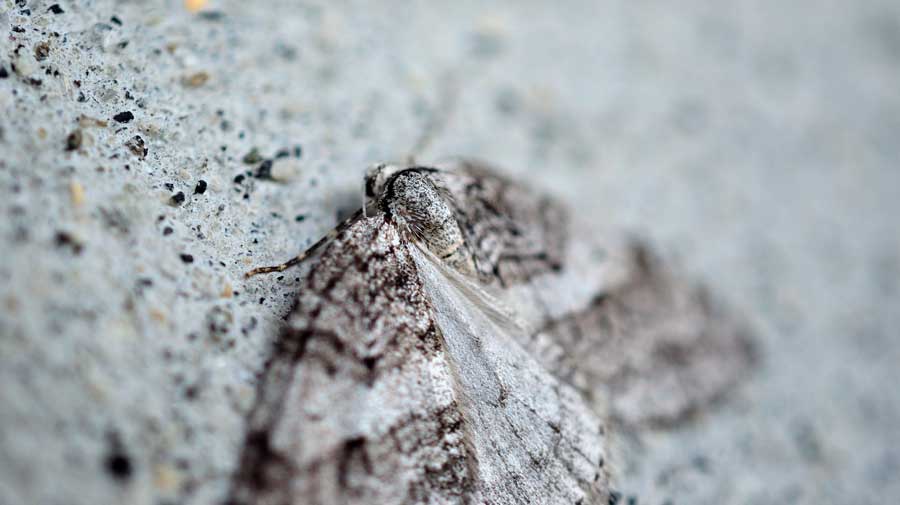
[[265, 170], [124, 117], [169, 186], [3, 73], [300, 218], [283, 153], [298, 151], [178, 198], [115, 20], [119, 466], [239, 178], [187, 258], [81, 97], [117, 461], [167, 230], [64, 239], [73, 141], [200, 188], [56, 9]]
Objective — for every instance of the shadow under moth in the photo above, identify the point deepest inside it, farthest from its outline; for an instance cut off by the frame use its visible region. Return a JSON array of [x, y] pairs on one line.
[[457, 341]]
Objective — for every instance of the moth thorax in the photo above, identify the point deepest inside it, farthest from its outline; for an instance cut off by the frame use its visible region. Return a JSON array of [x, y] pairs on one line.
[[413, 199]]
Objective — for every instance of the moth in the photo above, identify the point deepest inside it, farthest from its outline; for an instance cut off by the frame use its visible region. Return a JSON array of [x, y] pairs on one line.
[[459, 340]]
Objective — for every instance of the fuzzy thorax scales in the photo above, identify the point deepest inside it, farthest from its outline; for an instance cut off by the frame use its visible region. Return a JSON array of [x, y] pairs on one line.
[[417, 205]]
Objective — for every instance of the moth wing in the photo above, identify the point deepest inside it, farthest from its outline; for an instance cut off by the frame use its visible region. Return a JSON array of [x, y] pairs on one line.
[[621, 326], [650, 345], [358, 403], [534, 437]]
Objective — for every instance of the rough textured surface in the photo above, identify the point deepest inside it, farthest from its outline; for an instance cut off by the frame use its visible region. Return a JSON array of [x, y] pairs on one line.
[[757, 142]]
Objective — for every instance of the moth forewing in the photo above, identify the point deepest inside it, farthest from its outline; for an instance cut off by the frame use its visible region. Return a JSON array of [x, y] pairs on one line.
[[535, 439]]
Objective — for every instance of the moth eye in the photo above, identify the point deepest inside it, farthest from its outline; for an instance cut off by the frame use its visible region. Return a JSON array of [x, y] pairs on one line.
[[377, 177], [372, 175]]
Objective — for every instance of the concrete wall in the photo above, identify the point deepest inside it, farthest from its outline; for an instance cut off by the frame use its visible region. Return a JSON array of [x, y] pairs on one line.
[[754, 142]]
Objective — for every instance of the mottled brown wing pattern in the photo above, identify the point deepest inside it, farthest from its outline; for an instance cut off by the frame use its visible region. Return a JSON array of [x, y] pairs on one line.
[[653, 349], [645, 344], [357, 404], [536, 439], [389, 386]]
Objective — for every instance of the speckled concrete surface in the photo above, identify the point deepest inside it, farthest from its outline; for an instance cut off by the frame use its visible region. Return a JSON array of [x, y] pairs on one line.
[[149, 156]]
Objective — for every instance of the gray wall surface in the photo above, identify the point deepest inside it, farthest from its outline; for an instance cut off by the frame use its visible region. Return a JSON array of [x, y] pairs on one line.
[[756, 143]]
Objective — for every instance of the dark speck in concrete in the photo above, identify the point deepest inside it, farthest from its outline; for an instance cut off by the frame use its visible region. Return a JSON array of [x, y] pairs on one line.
[[117, 461], [56, 9], [73, 141], [41, 51], [264, 171], [200, 188], [137, 147], [177, 198], [187, 258], [124, 117], [253, 157], [64, 239], [167, 231]]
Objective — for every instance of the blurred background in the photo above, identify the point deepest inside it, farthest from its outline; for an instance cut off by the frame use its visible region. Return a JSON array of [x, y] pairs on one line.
[[151, 152]]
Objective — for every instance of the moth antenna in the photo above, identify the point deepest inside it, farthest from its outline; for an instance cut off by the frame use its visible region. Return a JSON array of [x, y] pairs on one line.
[[437, 121], [278, 268]]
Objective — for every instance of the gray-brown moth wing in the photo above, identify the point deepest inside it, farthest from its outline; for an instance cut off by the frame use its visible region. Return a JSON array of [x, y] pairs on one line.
[[535, 438], [611, 319], [653, 347], [377, 392]]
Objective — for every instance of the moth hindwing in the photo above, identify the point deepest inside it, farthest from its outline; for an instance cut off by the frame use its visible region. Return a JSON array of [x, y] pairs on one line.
[[451, 344]]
